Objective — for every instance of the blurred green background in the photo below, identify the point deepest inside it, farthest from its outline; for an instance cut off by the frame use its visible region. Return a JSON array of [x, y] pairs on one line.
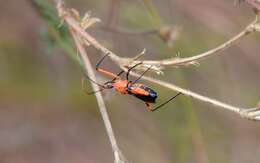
[[46, 117]]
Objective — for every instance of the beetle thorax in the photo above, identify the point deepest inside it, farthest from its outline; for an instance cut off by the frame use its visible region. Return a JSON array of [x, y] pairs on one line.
[[121, 86]]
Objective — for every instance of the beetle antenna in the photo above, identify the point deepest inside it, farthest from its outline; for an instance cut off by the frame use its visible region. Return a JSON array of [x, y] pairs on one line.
[[101, 60]]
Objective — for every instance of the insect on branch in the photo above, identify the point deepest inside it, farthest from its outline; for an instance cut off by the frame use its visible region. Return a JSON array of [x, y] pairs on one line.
[[158, 65]]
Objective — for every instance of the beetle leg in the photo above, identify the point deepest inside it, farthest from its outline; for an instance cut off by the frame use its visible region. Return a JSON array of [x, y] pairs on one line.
[[110, 74]]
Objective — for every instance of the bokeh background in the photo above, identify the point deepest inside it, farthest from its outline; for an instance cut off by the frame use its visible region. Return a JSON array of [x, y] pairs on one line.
[[46, 118]]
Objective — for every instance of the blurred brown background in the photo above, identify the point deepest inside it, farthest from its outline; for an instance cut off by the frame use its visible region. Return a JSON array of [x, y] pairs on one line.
[[46, 118]]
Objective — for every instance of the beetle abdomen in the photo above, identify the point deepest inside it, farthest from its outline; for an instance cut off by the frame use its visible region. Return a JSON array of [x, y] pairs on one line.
[[144, 93], [150, 99]]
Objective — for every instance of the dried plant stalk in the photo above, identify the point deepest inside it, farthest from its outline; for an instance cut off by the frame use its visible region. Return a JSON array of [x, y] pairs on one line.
[[119, 158]]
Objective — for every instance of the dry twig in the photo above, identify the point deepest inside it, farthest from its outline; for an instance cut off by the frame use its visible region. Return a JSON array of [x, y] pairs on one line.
[[119, 158], [158, 65]]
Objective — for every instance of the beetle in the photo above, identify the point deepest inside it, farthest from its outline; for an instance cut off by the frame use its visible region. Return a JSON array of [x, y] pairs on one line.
[[126, 86]]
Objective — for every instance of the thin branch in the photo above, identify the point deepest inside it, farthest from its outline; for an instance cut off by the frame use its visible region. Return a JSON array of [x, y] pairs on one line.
[[119, 158], [252, 114], [249, 113], [190, 60], [157, 64]]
